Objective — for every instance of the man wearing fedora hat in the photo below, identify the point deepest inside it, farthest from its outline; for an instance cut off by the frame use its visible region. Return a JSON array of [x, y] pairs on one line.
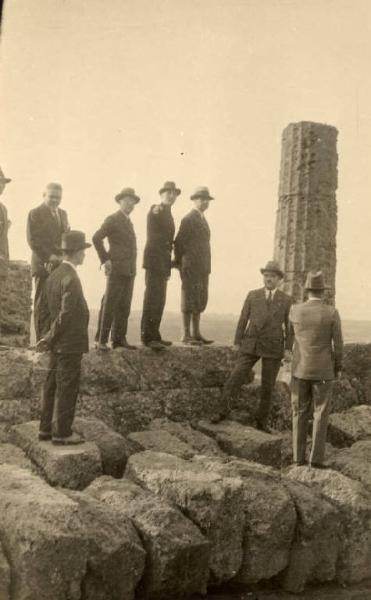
[[316, 362], [67, 341], [263, 332], [157, 263], [119, 263], [193, 259], [4, 227], [45, 225]]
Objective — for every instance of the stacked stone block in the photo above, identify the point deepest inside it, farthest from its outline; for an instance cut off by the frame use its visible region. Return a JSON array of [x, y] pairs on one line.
[[306, 223], [15, 305]]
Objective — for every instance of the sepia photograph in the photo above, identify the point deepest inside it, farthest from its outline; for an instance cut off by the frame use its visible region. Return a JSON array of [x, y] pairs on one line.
[[185, 313]]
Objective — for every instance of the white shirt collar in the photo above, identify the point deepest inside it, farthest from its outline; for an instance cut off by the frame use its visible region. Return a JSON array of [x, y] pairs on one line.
[[267, 293], [67, 262]]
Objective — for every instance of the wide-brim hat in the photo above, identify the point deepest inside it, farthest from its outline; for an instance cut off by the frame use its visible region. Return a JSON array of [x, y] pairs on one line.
[[127, 193], [3, 178], [272, 266], [72, 241], [202, 192], [315, 281], [171, 187]]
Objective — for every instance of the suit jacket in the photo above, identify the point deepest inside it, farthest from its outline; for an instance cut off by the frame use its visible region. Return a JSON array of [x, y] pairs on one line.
[[318, 345], [192, 244], [68, 311], [263, 332], [119, 231], [44, 236], [160, 236], [4, 246]]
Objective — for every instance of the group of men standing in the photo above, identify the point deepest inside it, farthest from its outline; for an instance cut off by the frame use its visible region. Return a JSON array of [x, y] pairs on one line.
[[270, 325], [115, 243]]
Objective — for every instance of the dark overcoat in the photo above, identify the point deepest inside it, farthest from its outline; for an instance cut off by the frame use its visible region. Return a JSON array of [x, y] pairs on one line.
[[160, 236], [69, 312], [44, 236], [122, 248], [262, 331], [192, 244]]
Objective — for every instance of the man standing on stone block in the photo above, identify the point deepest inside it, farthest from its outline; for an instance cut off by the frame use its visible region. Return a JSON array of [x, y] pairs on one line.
[[317, 361], [45, 226], [67, 341], [119, 263], [263, 332], [193, 258], [157, 263], [4, 245]]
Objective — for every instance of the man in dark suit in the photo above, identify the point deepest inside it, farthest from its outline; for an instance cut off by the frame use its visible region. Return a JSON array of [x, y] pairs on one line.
[[67, 340], [45, 226], [120, 268], [157, 263], [193, 258], [263, 331], [4, 245], [317, 361]]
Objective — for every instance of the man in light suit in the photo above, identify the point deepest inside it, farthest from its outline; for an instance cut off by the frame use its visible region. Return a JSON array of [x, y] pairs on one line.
[[119, 263], [67, 340], [45, 225], [317, 361], [193, 259], [262, 332]]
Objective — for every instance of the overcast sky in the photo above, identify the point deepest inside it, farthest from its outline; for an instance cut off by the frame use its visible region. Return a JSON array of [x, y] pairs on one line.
[[103, 94]]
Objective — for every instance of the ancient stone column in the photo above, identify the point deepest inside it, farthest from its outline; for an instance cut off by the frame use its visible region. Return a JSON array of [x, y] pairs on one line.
[[306, 224], [15, 305]]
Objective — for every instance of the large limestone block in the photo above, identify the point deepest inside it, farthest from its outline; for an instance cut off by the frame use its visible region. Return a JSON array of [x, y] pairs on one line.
[[107, 372], [354, 505], [177, 553], [350, 426], [68, 466], [4, 577], [15, 410], [245, 442], [116, 556], [161, 441], [191, 404], [12, 455], [15, 302], [211, 501], [269, 516], [114, 448], [354, 462], [199, 442], [315, 547], [15, 373], [42, 536]]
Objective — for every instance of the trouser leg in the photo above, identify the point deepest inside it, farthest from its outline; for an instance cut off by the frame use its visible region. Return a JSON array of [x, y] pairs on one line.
[[68, 380], [122, 309], [48, 396], [240, 374], [153, 306], [196, 325], [109, 302], [186, 317], [99, 325], [41, 310], [322, 406], [301, 404], [270, 368]]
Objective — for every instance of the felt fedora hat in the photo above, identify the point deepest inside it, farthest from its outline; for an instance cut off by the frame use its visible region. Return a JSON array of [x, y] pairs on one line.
[[273, 267], [315, 281], [170, 185], [202, 192], [127, 193], [72, 241], [3, 178]]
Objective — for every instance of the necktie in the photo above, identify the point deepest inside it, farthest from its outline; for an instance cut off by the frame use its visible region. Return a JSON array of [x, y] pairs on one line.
[[56, 217], [269, 300]]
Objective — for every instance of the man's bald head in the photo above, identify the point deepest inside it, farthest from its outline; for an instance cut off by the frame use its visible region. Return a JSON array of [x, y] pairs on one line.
[[53, 194]]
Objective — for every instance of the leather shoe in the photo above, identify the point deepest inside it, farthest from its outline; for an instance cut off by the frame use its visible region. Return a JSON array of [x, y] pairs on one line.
[[44, 436], [154, 345], [319, 466], [71, 440], [165, 342], [124, 345], [203, 340], [299, 463], [190, 341]]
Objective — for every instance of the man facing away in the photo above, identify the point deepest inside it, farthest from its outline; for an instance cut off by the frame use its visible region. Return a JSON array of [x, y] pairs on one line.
[[45, 226], [119, 263], [193, 258], [4, 245], [67, 340], [316, 362], [263, 332], [157, 263]]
